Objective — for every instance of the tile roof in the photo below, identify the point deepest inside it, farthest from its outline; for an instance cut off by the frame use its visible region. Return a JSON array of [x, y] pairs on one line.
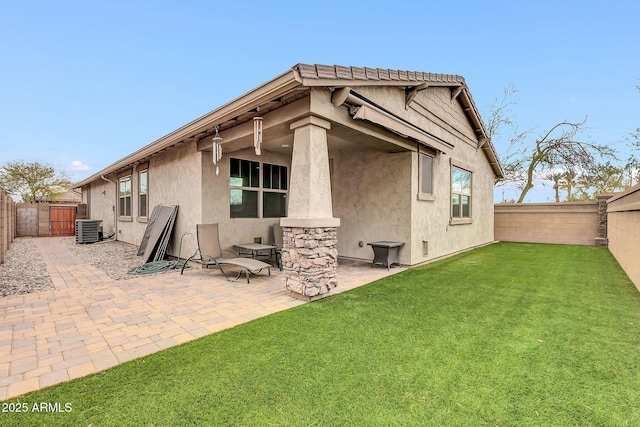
[[339, 72]]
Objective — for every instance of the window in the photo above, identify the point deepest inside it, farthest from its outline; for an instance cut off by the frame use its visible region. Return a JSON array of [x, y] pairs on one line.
[[426, 174], [460, 193], [274, 202], [143, 185], [125, 196], [256, 195]]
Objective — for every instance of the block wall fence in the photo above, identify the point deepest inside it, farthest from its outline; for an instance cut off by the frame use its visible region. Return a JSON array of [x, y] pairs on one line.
[[563, 223], [613, 220], [623, 212]]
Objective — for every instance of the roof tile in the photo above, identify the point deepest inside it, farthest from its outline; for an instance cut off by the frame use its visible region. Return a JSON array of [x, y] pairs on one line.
[[339, 72], [371, 73], [359, 73], [343, 72], [307, 71], [383, 73], [326, 71]]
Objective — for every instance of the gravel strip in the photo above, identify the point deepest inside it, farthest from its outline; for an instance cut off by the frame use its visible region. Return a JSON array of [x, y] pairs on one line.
[[114, 257], [25, 271]]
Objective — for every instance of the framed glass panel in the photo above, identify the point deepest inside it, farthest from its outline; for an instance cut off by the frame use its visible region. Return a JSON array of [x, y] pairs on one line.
[[456, 180], [274, 205], [426, 170], [244, 173], [266, 176], [274, 177], [142, 193], [466, 206], [125, 196], [244, 203], [455, 205]]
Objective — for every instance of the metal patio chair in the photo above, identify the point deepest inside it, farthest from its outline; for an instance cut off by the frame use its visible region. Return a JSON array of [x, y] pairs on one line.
[[210, 253]]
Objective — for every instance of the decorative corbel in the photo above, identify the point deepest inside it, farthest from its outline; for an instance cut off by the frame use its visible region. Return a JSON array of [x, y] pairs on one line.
[[413, 92]]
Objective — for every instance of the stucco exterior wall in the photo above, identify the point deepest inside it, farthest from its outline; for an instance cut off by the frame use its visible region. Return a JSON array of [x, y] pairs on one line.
[[623, 217], [431, 220], [371, 194], [174, 178], [101, 204], [573, 223]]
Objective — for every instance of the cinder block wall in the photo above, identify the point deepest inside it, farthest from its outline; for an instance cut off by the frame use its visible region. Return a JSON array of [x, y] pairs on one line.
[[623, 216], [27, 219], [565, 223]]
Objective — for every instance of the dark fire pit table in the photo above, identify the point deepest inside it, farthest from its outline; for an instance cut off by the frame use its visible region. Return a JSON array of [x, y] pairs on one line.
[[386, 253]]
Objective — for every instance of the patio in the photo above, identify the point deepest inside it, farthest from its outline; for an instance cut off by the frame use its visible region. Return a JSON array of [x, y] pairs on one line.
[[91, 322]]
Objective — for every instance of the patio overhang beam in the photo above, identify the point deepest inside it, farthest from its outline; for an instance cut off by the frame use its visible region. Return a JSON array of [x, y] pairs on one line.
[[363, 109]]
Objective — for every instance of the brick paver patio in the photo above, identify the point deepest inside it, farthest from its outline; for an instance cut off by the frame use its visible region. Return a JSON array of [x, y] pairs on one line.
[[90, 322]]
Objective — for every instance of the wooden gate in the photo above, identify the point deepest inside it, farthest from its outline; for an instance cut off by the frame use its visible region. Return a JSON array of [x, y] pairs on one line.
[[62, 220]]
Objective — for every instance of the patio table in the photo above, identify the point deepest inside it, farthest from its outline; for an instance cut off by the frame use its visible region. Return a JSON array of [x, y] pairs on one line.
[[386, 253], [254, 249]]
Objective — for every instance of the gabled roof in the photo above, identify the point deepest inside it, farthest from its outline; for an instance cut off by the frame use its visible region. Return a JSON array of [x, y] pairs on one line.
[[306, 75], [338, 75]]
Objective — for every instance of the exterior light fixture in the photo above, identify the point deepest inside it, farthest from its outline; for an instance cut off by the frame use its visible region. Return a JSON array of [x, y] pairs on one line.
[[257, 134], [217, 149]]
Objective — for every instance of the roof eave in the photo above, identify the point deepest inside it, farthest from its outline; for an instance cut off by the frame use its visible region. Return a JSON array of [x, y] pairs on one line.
[[268, 90]]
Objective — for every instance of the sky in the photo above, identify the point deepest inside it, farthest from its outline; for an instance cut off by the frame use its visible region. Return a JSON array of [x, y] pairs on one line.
[[85, 83]]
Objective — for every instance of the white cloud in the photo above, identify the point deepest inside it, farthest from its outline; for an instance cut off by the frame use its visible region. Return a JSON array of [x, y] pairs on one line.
[[76, 166]]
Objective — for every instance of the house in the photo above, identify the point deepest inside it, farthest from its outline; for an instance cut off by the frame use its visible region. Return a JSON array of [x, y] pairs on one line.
[[338, 156]]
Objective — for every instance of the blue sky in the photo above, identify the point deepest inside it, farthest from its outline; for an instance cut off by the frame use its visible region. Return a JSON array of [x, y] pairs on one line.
[[84, 83]]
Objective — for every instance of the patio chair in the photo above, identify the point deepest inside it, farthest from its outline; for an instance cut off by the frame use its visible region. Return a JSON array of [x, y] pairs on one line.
[[278, 241], [210, 253]]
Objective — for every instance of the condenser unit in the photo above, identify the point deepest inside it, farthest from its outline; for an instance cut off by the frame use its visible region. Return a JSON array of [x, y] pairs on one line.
[[88, 230]]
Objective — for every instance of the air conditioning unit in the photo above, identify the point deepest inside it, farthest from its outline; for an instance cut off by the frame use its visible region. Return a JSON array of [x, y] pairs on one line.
[[88, 230]]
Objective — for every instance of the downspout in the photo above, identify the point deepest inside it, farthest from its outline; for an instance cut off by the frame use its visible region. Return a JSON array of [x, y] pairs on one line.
[[115, 206]]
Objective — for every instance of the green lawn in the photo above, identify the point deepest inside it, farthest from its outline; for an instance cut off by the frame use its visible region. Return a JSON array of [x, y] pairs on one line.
[[509, 334]]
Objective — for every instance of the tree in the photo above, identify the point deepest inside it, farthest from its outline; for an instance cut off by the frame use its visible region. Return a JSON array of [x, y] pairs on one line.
[[554, 177], [632, 167], [33, 181], [603, 178], [528, 156]]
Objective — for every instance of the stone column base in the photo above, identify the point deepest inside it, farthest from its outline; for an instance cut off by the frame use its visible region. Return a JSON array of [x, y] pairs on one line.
[[309, 261]]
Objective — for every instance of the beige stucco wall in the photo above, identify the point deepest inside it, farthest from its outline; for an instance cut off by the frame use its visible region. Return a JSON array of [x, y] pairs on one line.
[[101, 204], [174, 179], [623, 217], [376, 193], [372, 197], [564, 223], [432, 218]]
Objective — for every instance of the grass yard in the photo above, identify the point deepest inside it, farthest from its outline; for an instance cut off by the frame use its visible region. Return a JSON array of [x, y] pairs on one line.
[[509, 334]]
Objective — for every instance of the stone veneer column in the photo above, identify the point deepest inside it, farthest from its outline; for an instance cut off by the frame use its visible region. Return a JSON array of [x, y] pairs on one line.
[[309, 254], [602, 239]]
